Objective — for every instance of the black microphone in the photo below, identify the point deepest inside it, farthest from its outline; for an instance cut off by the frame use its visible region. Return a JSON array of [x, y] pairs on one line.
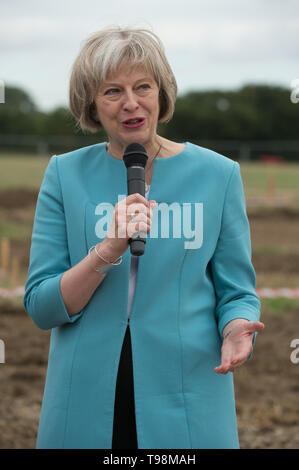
[[135, 159]]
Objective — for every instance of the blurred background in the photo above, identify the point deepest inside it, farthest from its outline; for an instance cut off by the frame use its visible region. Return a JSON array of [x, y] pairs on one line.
[[237, 68]]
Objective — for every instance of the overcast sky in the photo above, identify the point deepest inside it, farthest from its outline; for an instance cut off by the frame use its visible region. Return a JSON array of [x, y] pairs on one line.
[[209, 43]]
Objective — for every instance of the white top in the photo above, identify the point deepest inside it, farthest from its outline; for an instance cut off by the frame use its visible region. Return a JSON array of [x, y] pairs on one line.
[[133, 272]]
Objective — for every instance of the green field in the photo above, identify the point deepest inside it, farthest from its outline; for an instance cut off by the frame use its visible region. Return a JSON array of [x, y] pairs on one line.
[[26, 171], [274, 240], [255, 175], [21, 171]]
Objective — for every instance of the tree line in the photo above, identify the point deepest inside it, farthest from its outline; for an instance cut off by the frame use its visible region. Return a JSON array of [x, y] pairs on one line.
[[251, 113]]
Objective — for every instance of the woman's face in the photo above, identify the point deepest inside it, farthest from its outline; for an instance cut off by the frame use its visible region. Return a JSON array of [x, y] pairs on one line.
[[128, 107]]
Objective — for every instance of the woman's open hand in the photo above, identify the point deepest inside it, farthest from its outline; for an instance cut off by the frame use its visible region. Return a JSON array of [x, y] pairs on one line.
[[237, 343]]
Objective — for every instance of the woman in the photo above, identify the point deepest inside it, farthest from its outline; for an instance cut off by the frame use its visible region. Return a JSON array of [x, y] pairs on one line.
[[142, 348]]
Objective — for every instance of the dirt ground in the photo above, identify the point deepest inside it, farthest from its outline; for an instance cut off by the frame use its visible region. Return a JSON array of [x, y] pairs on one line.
[[267, 386]]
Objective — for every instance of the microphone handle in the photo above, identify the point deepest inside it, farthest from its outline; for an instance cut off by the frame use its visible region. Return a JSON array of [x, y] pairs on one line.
[[136, 184]]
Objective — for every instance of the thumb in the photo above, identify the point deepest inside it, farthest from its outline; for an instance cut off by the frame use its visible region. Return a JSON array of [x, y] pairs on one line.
[[254, 326]]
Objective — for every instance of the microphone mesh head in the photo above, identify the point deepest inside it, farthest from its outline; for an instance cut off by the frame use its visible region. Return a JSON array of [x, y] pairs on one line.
[[135, 154]]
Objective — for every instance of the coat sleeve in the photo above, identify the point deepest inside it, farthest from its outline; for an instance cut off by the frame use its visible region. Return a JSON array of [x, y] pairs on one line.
[[49, 256], [232, 269]]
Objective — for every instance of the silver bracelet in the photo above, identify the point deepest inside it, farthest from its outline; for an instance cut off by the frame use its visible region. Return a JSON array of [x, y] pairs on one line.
[[109, 265]]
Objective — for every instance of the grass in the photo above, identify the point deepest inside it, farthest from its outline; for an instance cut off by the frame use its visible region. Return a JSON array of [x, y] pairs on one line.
[[279, 305], [15, 231], [22, 171], [282, 249], [272, 180], [27, 170], [19, 171], [255, 175]]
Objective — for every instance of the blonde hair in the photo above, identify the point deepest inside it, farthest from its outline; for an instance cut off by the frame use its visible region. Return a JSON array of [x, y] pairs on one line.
[[102, 54]]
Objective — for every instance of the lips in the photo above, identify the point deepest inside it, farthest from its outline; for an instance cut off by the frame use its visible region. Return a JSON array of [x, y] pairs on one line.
[[132, 123]]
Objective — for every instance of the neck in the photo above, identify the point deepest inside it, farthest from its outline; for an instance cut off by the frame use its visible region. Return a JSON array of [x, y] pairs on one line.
[[151, 148]]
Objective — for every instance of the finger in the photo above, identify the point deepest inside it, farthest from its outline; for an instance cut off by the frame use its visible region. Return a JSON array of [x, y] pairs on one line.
[[254, 326], [223, 368], [228, 368], [242, 354], [138, 217], [228, 365], [226, 356], [227, 353], [135, 221], [235, 365], [124, 204], [233, 357], [134, 227], [242, 357], [145, 212], [137, 207], [219, 370], [136, 197]]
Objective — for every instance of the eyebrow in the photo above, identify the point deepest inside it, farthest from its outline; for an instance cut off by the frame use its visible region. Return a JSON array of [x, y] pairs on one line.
[[144, 79]]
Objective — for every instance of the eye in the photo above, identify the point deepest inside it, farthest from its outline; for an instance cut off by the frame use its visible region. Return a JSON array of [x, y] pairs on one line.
[[111, 91], [144, 86]]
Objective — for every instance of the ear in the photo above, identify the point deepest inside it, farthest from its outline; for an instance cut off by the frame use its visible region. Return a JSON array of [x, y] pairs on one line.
[[162, 104], [93, 113]]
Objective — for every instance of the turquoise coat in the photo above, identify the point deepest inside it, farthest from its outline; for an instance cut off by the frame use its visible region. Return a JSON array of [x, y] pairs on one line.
[[184, 297]]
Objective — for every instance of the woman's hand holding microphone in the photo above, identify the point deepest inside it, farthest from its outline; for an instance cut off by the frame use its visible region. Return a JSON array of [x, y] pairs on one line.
[[131, 215]]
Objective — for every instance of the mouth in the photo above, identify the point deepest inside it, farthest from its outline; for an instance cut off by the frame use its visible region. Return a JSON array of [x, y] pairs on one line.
[[133, 123]]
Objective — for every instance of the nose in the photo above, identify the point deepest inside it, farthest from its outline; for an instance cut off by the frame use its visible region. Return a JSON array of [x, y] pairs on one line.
[[130, 102]]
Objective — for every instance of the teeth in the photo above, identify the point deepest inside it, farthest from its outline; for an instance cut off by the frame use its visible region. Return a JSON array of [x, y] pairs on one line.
[[133, 121]]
